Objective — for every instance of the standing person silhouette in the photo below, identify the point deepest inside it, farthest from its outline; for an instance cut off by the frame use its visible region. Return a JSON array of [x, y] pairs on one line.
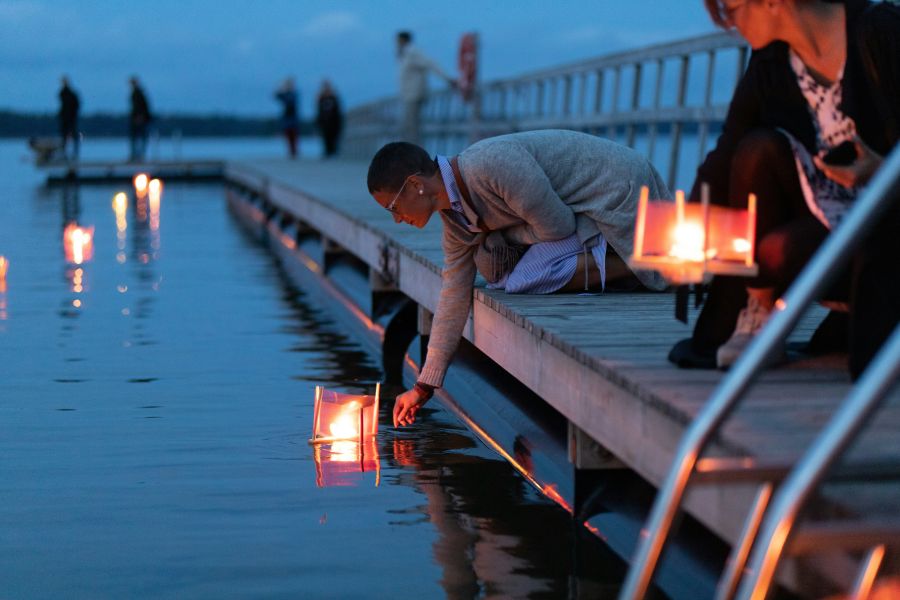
[[414, 68], [329, 118], [290, 117], [68, 118], [139, 120]]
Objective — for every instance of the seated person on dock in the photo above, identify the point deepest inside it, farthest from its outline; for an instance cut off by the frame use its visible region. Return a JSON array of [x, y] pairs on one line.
[[823, 80], [525, 210]]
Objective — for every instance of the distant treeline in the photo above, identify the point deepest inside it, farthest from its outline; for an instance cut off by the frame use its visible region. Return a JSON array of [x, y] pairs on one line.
[[24, 125]]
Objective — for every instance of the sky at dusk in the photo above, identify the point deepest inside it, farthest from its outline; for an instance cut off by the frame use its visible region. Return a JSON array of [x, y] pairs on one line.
[[225, 56]]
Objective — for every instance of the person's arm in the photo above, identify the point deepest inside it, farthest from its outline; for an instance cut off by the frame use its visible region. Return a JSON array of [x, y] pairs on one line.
[[878, 37], [450, 318], [418, 58], [743, 115]]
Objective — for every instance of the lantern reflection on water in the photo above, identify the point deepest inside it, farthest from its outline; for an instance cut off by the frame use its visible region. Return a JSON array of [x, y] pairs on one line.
[[78, 243], [343, 462], [689, 243], [344, 436]]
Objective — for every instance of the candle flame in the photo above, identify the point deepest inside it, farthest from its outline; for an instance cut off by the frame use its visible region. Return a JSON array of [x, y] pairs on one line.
[[347, 424], [741, 245], [689, 242]]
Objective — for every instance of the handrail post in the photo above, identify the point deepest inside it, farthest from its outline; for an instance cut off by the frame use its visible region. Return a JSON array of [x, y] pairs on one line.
[[815, 278]]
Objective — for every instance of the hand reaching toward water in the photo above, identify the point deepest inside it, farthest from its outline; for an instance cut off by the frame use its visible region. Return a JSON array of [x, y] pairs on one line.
[[406, 406]]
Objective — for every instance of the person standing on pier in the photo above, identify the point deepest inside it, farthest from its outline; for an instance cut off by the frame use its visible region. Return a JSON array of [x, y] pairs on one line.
[[139, 121], [68, 118], [290, 117], [809, 123], [414, 68], [535, 212], [329, 118]]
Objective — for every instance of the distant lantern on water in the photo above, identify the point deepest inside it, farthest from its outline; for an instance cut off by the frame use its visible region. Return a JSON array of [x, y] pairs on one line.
[[343, 417], [78, 243], [4, 267], [689, 243], [141, 183]]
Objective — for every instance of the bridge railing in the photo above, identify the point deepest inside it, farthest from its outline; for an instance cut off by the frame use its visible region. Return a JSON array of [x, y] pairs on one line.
[[664, 100]]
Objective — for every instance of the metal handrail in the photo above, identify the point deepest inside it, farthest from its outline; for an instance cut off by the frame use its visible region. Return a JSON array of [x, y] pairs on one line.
[[822, 270], [842, 429], [576, 96]]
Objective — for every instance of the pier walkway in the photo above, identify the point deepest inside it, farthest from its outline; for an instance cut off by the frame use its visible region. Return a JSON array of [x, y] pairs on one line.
[[599, 360]]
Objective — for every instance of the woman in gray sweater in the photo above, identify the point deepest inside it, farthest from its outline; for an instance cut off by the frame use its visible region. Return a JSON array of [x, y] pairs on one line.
[[558, 193]]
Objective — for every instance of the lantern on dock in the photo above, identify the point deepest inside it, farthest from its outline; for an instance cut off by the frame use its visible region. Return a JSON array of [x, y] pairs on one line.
[[689, 243], [141, 183], [78, 243], [344, 417]]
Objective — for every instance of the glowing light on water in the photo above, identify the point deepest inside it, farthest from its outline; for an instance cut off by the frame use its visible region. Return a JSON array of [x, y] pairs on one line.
[[78, 243], [141, 181]]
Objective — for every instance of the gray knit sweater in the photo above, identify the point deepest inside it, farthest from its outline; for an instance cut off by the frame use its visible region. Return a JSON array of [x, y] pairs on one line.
[[534, 187]]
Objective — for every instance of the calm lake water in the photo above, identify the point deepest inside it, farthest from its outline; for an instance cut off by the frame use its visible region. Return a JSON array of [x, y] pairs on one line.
[[155, 406]]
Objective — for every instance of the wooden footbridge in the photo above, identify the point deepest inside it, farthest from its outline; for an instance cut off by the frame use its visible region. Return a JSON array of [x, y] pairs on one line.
[[599, 361]]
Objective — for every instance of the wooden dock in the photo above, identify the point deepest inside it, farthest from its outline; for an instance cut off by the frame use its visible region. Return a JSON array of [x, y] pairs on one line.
[[599, 360], [114, 171]]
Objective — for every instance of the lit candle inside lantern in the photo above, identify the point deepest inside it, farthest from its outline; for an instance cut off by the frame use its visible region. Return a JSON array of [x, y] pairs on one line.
[[688, 243], [344, 416], [141, 181], [78, 243]]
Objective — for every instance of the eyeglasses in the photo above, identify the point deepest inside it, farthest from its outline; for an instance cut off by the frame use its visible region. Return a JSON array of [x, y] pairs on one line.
[[391, 207]]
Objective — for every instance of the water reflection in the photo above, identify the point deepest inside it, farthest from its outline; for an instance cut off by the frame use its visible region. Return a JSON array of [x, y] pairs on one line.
[[346, 463]]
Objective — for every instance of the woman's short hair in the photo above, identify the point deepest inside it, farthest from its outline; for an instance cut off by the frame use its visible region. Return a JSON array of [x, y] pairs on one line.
[[716, 10], [394, 163]]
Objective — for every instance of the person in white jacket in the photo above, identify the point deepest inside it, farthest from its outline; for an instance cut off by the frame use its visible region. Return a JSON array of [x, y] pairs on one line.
[[414, 68]]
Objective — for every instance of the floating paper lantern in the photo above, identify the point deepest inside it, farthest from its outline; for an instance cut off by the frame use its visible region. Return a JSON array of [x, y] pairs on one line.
[[689, 243], [4, 267], [339, 416], [141, 183], [78, 243]]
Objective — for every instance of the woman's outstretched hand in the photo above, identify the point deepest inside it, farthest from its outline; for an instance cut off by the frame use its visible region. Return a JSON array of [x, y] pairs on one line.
[[859, 172], [406, 406]]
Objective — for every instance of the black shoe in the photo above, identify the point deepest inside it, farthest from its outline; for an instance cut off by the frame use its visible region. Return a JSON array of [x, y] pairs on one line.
[[832, 335], [685, 356]]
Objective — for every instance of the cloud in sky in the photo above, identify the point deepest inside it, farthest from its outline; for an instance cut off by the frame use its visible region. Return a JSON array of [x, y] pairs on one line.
[[334, 23]]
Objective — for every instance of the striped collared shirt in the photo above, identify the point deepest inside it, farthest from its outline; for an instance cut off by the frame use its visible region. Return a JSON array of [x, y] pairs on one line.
[[453, 192]]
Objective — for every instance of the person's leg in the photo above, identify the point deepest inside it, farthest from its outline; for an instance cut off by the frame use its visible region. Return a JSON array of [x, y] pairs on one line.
[[875, 292], [409, 130], [763, 165], [290, 135], [132, 142]]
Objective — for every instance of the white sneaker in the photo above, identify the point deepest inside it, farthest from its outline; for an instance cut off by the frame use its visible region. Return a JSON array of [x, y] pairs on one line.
[[749, 323]]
